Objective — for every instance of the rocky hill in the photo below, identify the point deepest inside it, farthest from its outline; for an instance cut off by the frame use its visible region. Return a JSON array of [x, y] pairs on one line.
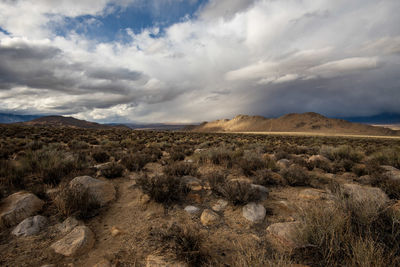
[[305, 122], [61, 121]]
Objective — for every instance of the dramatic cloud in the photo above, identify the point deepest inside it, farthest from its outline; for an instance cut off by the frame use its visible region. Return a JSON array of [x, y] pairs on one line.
[[262, 57]]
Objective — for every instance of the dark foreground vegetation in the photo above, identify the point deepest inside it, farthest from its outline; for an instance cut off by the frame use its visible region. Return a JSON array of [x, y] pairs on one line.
[[355, 223]]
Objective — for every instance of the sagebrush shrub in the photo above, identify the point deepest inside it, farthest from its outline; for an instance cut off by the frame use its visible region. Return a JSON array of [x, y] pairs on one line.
[[112, 170], [180, 169], [163, 188]]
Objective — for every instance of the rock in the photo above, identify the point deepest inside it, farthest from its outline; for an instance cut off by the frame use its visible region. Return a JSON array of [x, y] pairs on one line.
[[193, 183], [254, 212], [102, 166], [30, 226], [48, 265], [67, 225], [264, 192], [188, 161], [313, 194], [102, 191], [220, 205], [283, 163], [209, 217], [103, 263], [391, 172], [192, 209], [115, 231], [17, 207], [366, 194], [316, 158], [284, 234], [158, 261], [79, 241]]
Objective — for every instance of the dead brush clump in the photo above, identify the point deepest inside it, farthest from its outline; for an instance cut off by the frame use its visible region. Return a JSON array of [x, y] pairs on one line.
[[219, 156], [101, 156], [249, 254], [136, 162], [75, 201], [349, 232], [185, 243], [389, 186], [236, 192], [251, 163], [267, 177], [163, 189], [181, 169], [296, 176], [113, 170], [389, 156]]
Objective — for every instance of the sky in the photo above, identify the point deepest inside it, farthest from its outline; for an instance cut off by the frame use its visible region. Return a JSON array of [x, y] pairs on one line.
[[199, 60]]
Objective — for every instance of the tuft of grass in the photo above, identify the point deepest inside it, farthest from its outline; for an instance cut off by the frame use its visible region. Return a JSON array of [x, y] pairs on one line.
[[180, 169], [136, 162], [101, 156], [296, 176], [163, 189], [76, 201], [185, 242]]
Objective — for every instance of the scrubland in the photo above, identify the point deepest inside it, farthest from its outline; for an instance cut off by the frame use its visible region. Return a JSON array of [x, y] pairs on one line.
[[200, 199]]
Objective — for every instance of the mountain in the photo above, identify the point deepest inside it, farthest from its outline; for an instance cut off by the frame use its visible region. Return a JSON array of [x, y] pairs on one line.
[[61, 121], [305, 122], [12, 118]]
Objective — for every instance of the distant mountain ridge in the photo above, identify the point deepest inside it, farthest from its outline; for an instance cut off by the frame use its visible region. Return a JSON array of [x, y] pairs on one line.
[[12, 118], [61, 121], [304, 122]]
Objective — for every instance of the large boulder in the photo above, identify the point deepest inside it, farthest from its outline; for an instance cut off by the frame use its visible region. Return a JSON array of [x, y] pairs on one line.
[[102, 191], [209, 217], [77, 242], [254, 212], [284, 235], [30, 226], [18, 207]]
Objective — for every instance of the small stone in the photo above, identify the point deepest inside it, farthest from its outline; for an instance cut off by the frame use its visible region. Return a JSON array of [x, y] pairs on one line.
[[115, 231], [30, 226], [220, 205], [192, 209], [17, 207], [283, 163], [208, 217], [79, 241], [103, 263], [67, 225], [254, 212]]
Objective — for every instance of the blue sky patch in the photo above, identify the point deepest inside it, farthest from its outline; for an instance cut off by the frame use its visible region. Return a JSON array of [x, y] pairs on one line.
[[137, 17]]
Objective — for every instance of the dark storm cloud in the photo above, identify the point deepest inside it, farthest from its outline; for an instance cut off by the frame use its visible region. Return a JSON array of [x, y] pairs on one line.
[[46, 67]]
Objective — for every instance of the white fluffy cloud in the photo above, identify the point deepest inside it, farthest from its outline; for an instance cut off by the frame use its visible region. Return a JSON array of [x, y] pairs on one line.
[[258, 57]]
